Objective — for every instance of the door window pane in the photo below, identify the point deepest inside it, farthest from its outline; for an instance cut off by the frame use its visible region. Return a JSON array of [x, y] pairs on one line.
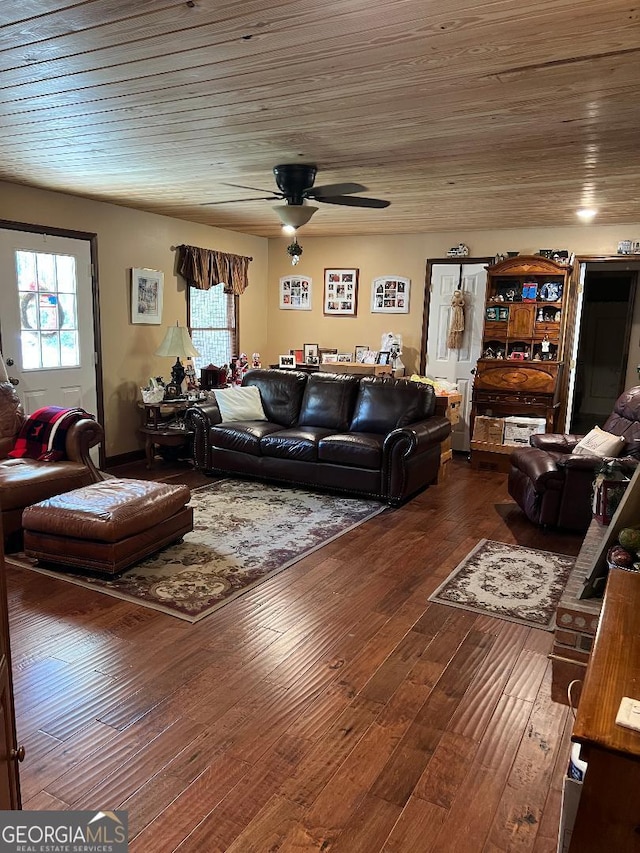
[[46, 295]]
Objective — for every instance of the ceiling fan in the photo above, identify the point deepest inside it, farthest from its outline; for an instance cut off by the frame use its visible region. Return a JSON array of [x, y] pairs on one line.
[[295, 184]]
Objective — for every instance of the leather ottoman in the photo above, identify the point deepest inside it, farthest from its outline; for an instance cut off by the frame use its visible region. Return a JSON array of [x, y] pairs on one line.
[[107, 526]]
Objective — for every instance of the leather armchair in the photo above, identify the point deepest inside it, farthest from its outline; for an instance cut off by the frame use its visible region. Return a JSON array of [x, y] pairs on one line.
[[24, 481], [552, 486]]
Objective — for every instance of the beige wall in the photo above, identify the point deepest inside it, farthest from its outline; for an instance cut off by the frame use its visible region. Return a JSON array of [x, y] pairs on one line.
[[404, 256], [129, 238]]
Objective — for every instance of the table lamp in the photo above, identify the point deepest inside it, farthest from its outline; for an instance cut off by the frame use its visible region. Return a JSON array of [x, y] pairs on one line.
[[177, 341]]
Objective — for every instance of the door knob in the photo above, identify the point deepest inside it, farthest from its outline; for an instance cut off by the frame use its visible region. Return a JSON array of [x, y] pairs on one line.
[[18, 753], [10, 362], [13, 380]]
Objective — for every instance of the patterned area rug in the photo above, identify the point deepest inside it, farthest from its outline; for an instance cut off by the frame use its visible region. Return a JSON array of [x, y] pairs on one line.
[[244, 533], [515, 583]]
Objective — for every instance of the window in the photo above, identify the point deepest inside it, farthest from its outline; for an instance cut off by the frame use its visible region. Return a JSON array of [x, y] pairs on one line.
[[213, 323], [48, 310]]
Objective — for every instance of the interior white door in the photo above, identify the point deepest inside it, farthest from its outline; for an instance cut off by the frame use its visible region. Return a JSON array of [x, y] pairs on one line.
[[46, 319], [455, 365]]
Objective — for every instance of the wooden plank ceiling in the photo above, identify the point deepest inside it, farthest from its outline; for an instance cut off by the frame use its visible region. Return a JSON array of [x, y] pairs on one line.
[[462, 113]]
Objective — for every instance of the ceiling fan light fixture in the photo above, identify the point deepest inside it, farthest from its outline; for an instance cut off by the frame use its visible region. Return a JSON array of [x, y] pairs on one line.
[[295, 215]]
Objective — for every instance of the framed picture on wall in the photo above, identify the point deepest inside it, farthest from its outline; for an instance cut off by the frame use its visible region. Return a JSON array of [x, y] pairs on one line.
[[341, 292], [390, 295], [295, 292], [146, 296]]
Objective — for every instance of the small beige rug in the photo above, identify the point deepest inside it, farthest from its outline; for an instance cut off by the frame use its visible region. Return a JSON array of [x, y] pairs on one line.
[[244, 533], [508, 581]]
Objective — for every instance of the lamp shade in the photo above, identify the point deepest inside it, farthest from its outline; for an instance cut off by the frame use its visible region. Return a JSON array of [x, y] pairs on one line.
[[177, 341], [295, 215]]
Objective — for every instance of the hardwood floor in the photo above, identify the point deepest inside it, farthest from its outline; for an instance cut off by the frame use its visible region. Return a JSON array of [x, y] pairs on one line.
[[332, 708]]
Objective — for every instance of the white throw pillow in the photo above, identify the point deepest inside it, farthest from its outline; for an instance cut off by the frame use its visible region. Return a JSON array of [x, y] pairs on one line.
[[599, 443], [240, 404]]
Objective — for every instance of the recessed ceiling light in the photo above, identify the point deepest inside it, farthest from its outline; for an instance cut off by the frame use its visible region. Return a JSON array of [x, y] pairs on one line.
[[586, 213]]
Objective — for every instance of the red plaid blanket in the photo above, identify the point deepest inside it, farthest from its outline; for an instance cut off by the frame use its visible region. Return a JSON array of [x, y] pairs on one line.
[[44, 434]]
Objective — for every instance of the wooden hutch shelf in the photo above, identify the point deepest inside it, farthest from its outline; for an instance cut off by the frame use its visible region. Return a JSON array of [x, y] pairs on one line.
[[520, 370]]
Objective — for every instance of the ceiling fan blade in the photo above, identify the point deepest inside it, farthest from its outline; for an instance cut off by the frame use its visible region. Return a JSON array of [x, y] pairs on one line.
[[245, 187], [238, 200], [335, 189], [353, 201]]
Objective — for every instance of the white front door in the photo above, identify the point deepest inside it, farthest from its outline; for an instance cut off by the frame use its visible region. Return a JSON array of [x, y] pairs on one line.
[[46, 320], [455, 365]]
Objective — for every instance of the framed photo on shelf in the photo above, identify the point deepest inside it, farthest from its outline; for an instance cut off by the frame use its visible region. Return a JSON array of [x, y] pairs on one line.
[[146, 296], [345, 356], [390, 295], [295, 292], [323, 351], [341, 292], [329, 357], [298, 355], [310, 354], [361, 351], [287, 361]]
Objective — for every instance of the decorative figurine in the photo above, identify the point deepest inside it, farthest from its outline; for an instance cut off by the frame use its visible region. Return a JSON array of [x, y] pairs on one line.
[[255, 360], [545, 346], [459, 251], [190, 377]]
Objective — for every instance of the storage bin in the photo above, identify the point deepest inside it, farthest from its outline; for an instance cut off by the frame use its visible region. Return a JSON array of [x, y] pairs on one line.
[[488, 429], [517, 430]]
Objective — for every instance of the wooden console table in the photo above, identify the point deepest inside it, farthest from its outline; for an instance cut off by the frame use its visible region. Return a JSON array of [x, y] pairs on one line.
[[608, 817]]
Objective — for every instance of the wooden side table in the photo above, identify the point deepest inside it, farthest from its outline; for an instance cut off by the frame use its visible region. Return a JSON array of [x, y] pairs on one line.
[[155, 414], [159, 429], [163, 437]]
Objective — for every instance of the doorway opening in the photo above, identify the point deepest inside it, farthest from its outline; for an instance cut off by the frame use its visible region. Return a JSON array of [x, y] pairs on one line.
[[603, 344]]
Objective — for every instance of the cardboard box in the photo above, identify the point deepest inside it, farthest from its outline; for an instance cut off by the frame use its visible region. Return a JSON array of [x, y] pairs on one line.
[[489, 430], [517, 429]]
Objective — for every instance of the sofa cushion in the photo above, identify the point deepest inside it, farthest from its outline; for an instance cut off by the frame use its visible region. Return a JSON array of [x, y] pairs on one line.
[[243, 437], [281, 392], [328, 400], [240, 404], [300, 443], [599, 443], [625, 421], [362, 449], [386, 404]]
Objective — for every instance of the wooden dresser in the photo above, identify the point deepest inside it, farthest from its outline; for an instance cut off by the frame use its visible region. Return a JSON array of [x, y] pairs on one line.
[[608, 816]]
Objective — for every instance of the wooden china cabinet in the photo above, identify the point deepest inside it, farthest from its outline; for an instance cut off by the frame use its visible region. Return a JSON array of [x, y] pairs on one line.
[[520, 369]]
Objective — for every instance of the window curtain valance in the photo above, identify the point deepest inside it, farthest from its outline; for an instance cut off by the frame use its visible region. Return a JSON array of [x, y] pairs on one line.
[[205, 268]]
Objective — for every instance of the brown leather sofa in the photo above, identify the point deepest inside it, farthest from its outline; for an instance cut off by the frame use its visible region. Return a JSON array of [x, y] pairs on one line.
[[553, 487], [27, 481], [368, 436]]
